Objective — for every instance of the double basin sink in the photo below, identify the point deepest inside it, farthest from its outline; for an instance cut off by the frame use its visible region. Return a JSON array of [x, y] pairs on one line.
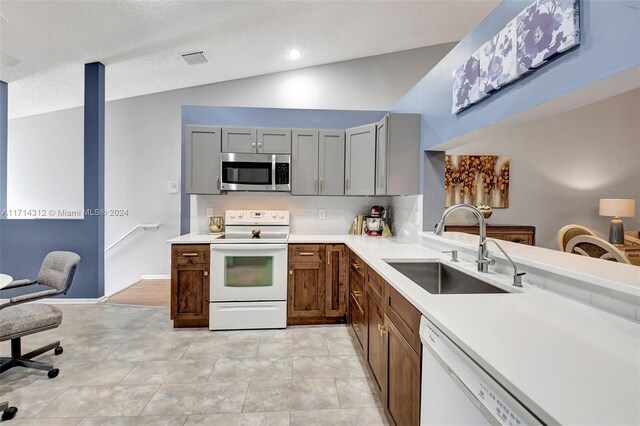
[[438, 278]]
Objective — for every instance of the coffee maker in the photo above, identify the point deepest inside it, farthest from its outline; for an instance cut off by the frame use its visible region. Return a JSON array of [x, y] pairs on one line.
[[374, 223]]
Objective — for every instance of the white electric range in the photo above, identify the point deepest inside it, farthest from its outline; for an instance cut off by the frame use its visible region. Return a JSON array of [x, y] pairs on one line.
[[249, 271]]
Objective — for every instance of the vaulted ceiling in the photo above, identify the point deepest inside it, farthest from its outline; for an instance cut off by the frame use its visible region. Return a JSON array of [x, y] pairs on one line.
[[140, 42]]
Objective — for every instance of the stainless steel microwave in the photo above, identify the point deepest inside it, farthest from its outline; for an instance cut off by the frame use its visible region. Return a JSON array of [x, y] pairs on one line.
[[255, 172]]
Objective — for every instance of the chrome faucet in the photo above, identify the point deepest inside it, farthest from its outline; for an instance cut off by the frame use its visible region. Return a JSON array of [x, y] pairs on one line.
[[517, 277], [483, 261]]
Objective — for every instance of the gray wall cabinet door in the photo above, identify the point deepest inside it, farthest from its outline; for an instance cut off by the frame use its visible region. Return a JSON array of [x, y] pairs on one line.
[[360, 160], [403, 154], [239, 140], [331, 165], [202, 160], [382, 156], [274, 141], [304, 162]]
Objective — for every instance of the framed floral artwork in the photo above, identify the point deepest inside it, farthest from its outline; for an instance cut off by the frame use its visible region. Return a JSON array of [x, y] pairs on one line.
[[477, 179], [541, 32]]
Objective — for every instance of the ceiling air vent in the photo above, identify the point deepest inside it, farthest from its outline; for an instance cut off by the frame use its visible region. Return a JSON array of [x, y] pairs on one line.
[[195, 58]]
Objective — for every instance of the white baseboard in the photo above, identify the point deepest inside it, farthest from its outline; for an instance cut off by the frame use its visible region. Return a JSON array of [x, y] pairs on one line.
[[65, 301], [155, 277]]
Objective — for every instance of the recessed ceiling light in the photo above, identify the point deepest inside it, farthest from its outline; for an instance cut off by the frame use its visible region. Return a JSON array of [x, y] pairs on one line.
[[294, 54]]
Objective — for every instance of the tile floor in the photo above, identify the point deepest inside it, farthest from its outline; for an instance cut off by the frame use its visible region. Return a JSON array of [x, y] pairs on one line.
[[125, 365]]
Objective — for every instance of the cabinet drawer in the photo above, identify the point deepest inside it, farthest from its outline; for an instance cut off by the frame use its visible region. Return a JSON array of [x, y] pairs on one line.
[[182, 254], [357, 323], [405, 317], [519, 238], [357, 289], [306, 253], [356, 265], [375, 286]]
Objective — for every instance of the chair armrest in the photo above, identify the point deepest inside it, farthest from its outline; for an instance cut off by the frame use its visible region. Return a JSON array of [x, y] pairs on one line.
[[19, 283], [29, 298]]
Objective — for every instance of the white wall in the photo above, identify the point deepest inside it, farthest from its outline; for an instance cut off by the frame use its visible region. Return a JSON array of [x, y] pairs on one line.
[[45, 174], [143, 137], [562, 166]]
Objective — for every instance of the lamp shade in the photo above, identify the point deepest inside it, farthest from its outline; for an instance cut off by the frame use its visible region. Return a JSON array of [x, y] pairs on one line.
[[617, 207]]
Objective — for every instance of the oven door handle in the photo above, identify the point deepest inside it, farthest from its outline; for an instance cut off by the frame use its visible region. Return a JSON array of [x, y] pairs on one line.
[[248, 247]]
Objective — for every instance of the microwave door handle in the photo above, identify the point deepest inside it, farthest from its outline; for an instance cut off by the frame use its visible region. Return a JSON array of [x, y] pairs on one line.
[[273, 172]]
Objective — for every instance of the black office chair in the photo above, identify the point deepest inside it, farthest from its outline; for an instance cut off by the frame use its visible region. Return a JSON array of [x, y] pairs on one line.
[[18, 319]]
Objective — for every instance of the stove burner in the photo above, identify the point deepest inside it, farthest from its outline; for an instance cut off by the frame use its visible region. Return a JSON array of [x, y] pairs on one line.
[[255, 233]]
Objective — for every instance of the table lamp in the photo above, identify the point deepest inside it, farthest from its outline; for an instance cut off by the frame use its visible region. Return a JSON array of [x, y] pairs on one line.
[[617, 207]]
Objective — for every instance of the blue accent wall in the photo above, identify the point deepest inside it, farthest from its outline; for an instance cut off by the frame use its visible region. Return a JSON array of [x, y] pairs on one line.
[[24, 243], [264, 117], [609, 44]]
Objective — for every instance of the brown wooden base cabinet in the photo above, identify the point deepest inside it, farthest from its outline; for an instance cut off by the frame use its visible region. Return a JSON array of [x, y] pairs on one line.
[[317, 287], [190, 285], [513, 233], [387, 331]]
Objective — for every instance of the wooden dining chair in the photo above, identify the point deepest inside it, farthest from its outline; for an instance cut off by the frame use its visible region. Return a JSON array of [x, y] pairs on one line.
[[591, 246], [568, 232]]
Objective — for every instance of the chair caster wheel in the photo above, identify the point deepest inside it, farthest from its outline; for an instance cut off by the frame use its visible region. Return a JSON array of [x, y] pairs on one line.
[[58, 350], [9, 413], [53, 373]]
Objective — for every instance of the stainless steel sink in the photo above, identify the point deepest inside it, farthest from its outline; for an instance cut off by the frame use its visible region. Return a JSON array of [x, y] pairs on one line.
[[438, 278]]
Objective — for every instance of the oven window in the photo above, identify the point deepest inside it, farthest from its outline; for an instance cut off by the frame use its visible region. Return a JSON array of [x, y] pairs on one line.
[[248, 271], [246, 173]]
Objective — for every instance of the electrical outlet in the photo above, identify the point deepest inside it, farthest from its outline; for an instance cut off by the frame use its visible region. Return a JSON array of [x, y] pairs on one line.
[[322, 214], [174, 187]]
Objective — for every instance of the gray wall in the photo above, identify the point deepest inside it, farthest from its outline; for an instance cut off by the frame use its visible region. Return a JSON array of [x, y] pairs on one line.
[[562, 166]]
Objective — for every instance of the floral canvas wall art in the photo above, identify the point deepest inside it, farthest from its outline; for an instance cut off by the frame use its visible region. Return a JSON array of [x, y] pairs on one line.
[[545, 29], [477, 179], [538, 34]]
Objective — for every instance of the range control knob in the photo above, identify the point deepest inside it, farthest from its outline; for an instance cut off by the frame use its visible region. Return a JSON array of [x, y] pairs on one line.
[[274, 215], [240, 215], [281, 215], [233, 215]]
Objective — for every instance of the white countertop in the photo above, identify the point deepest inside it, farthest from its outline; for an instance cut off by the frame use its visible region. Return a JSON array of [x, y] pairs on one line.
[[566, 361]]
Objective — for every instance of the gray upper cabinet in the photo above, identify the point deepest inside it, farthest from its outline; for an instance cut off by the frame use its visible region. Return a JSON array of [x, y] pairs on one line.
[[360, 160], [239, 140], [398, 155], [202, 159], [381, 156], [331, 162], [304, 162], [274, 141]]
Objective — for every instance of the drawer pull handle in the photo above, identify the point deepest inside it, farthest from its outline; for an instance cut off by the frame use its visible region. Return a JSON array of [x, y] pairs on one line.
[[189, 254], [306, 253], [356, 265], [382, 330], [357, 293]]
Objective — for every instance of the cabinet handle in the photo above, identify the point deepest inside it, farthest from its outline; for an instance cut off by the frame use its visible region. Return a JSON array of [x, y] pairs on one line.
[[259, 144], [346, 183], [206, 273], [253, 144], [382, 329], [321, 179], [306, 253], [290, 271], [218, 181], [357, 293], [189, 254], [315, 184], [356, 265]]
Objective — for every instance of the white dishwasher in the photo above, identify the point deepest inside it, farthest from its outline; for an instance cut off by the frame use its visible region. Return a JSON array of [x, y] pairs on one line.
[[456, 391]]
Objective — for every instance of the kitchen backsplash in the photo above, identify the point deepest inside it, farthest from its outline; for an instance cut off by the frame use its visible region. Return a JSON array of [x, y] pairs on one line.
[[406, 216], [340, 211]]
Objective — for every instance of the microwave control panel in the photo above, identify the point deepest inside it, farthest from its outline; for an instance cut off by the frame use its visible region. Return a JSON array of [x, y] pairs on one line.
[[282, 173]]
